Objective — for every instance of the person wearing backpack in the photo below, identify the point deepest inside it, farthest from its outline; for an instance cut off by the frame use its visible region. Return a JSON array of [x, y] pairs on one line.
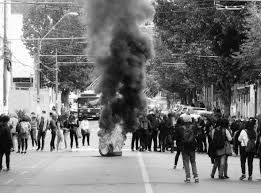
[[25, 128], [221, 138], [247, 139], [187, 133], [43, 126], [179, 124]]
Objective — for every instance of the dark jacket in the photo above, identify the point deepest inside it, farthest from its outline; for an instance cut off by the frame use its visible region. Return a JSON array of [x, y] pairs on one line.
[[180, 139], [5, 138]]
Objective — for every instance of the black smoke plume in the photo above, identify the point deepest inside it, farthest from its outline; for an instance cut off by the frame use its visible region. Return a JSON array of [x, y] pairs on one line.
[[122, 51]]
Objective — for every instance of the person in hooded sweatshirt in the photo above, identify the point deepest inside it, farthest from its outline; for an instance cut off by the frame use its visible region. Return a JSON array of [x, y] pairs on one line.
[[6, 143]]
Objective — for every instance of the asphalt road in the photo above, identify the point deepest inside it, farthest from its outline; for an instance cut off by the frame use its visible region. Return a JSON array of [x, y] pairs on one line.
[[83, 170]]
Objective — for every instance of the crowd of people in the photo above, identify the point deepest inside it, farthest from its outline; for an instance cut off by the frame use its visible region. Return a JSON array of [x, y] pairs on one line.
[[215, 135], [16, 131]]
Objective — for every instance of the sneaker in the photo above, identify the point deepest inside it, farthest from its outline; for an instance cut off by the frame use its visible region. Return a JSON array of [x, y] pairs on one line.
[[174, 167], [212, 176], [221, 177], [226, 177], [18, 152], [242, 177], [250, 178], [187, 180], [196, 180]]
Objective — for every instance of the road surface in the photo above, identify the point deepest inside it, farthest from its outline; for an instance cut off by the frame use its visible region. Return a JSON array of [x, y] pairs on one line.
[[83, 170]]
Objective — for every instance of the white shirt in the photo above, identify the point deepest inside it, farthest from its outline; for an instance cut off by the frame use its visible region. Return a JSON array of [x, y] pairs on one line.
[[243, 138], [84, 125]]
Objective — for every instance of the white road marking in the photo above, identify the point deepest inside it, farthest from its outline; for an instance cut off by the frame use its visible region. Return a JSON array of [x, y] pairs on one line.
[[145, 176], [8, 181], [38, 164]]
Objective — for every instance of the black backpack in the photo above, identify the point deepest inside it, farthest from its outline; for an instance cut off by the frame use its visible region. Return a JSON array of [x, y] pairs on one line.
[[189, 135], [219, 139]]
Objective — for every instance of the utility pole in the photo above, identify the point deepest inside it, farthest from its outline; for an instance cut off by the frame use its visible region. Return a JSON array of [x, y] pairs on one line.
[[37, 77], [56, 82], [5, 60]]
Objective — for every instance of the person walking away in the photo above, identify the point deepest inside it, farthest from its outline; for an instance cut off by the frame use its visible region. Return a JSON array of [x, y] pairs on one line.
[[221, 139], [53, 128], [34, 128], [73, 126], [187, 133], [13, 122], [178, 140], [85, 130], [43, 126], [59, 133], [247, 139], [6, 143], [25, 128]]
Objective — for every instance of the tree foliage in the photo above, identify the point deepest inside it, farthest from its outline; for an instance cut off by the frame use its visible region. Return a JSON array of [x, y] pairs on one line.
[[196, 33], [37, 22]]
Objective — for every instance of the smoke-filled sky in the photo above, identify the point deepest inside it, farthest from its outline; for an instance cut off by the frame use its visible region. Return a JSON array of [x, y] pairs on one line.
[[122, 52]]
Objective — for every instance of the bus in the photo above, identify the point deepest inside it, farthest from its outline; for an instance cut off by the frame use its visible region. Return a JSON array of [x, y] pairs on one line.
[[89, 105]]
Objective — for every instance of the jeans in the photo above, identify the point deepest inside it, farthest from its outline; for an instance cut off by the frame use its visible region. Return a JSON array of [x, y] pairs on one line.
[[7, 159], [65, 136], [33, 137], [24, 144], [135, 140], [154, 139], [216, 165], [52, 146], [87, 136], [41, 134], [73, 135], [177, 157], [249, 157], [190, 157]]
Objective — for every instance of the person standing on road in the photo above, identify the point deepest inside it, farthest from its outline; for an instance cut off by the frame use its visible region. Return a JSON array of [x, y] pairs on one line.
[[247, 138], [221, 139], [179, 124], [66, 130], [13, 122], [43, 126], [53, 128], [135, 137], [59, 132], [73, 126], [85, 130], [187, 133], [34, 128], [25, 128], [5, 142], [154, 129]]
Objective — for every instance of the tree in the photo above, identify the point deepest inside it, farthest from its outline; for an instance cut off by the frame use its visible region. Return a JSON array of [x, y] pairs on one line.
[[37, 22], [197, 32]]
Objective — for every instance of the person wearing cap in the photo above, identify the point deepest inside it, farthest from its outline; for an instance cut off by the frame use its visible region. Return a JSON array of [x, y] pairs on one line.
[[6, 143], [186, 133]]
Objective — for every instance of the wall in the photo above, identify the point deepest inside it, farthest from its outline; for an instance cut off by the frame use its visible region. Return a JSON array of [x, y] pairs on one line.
[[27, 100]]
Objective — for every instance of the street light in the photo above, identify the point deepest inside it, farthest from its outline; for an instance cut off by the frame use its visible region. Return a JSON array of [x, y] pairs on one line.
[[65, 15], [38, 62]]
